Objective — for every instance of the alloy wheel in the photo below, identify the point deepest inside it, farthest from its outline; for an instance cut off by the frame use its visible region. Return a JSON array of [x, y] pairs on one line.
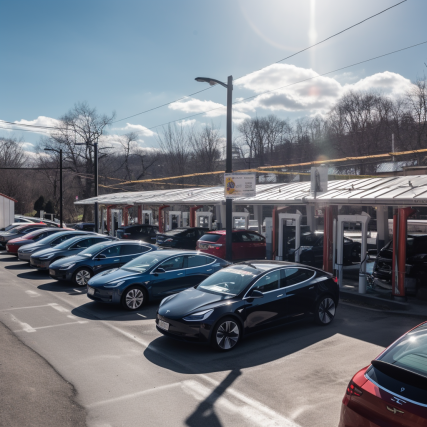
[[134, 298], [326, 310], [82, 277], [227, 335]]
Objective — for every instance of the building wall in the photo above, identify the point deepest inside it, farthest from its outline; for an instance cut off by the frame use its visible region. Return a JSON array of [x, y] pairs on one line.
[[7, 211]]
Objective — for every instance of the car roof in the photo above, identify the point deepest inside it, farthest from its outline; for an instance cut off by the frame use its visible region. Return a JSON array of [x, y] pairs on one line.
[[32, 224], [138, 225], [272, 264], [222, 232]]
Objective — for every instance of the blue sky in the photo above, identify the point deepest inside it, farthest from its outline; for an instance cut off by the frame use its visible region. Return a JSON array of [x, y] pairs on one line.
[[129, 56]]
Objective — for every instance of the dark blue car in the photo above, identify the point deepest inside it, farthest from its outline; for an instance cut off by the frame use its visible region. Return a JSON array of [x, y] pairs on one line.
[[96, 259], [153, 276]]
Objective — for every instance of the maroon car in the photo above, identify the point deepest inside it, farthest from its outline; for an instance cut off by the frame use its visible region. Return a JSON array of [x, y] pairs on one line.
[[392, 390], [246, 244]]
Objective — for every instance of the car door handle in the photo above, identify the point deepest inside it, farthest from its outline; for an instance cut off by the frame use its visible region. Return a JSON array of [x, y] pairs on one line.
[[210, 269], [311, 287], [180, 274], [116, 260], [279, 295]]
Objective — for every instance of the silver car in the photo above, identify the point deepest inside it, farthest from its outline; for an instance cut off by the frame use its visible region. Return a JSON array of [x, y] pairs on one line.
[[25, 252]]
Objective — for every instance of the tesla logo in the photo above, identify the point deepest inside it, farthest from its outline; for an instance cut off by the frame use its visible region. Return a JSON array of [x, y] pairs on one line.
[[402, 389], [167, 311], [397, 400], [394, 410]]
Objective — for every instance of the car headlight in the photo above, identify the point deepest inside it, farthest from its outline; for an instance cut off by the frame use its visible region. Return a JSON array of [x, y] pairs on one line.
[[47, 256], [114, 284], [166, 299], [67, 266], [197, 317]]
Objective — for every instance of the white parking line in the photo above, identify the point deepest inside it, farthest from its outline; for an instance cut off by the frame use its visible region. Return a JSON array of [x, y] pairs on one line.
[[59, 308], [32, 294], [133, 395], [25, 326], [23, 308], [80, 322]]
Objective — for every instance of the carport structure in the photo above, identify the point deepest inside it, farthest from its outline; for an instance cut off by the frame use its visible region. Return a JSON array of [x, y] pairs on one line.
[[400, 193]]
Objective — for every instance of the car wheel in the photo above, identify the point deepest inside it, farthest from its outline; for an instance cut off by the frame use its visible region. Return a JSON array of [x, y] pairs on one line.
[[134, 298], [82, 276], [325, 310], [226, 334]]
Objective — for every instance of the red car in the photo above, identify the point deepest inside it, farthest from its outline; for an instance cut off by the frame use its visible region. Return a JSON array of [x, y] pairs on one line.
[[13, 245], [246, 244], [392, 390]]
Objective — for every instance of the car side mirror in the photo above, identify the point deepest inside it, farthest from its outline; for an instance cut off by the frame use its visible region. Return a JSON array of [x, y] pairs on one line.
[[100, 256], [159, 270], [256, 294]]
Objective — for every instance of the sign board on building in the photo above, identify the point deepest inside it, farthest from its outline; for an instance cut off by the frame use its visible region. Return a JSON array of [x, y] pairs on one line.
[[239, 185], [319, 181]]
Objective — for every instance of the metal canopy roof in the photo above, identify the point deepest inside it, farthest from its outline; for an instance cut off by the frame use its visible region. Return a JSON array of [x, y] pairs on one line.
[[391, 191]]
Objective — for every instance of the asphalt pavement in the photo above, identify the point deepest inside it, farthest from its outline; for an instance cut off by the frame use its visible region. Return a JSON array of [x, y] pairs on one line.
[[125, 373]]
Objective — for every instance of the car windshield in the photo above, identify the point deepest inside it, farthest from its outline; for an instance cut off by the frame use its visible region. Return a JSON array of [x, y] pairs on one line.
[[210, 237], [66, 243], [143, 263], [50, 238], [410, 352], [94, 249], [230, 281]]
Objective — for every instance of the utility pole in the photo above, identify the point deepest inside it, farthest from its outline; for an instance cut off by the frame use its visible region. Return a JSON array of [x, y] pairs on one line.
[[96, 213]]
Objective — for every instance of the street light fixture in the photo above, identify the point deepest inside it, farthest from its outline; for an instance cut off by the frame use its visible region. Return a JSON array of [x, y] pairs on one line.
[[228, 161], [60, 182], [96, 213]]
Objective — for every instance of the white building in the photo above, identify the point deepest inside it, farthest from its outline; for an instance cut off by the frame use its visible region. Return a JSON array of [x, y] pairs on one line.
[[7, 210]]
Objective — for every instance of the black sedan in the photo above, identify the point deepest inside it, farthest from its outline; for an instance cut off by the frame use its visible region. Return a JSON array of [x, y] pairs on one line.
[[246, 298], [97, 258], [181, 238], [144, 232], [42, 259]]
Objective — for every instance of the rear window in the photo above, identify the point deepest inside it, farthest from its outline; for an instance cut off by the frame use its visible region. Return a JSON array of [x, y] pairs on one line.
[[210, 237]]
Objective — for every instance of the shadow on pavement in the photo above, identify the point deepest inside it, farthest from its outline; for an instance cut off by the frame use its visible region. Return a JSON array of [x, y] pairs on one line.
[[274, 344], [62, 286], [100, 311], [20, 266], [33, 274]]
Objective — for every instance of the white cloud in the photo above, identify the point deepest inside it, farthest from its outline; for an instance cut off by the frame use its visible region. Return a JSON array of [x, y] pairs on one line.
[[210, 108], [48, 122], [187, 122], [137, 128], [314, 95], [27, 145]]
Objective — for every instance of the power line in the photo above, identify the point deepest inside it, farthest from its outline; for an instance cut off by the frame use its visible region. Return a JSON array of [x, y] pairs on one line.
[[203, 90]]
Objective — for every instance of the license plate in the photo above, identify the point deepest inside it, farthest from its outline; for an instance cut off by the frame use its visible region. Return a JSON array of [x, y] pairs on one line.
[[90, 291], [163, 325], [51, 272]]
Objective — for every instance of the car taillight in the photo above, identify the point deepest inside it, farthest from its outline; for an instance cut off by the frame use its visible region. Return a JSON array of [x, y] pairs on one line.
[[126, 235], [214, 246], [335, 279], [353, 390], [169, 240]]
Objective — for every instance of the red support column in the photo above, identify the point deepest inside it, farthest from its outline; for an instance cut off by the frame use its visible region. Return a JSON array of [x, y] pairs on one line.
[[140, 214], [328, 236], [161, 218], [193, 210], [400, 221]]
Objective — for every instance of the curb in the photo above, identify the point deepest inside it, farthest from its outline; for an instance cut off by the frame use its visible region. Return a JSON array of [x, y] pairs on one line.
[[374, 301]]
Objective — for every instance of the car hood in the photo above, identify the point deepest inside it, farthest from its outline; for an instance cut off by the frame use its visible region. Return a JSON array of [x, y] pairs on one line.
[[49, 251], [191, 301], [19, 240], [113, 275], [67, 260], [35, 246]]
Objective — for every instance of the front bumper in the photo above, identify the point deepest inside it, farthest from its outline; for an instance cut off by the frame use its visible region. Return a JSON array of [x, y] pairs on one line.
[[110, 296], [12, 249], [60, 274], [185, 331], [24, 256], [40, 264]]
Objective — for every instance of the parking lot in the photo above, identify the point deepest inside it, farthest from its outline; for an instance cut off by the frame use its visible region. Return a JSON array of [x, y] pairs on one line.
[[125, 373]]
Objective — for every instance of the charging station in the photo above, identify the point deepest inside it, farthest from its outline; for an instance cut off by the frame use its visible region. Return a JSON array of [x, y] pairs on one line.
[[339, 247], [289, 226], [204, 219], [116, 220], [174, 219], [240, 220], [147, 217]]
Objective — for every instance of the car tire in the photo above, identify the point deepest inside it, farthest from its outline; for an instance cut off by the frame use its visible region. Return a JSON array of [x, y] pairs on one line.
[[82, 276], [134, 298], [325, 310], [226, 334]]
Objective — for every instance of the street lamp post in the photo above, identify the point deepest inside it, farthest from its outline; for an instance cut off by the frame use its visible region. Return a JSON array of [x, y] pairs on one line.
[[60, 183], [228, 161], [96, 213]]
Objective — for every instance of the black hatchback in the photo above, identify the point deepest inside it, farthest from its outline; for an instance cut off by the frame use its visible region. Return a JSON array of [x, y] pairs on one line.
[[245, 298], [146, 233], [97, 258], [181, 238]]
